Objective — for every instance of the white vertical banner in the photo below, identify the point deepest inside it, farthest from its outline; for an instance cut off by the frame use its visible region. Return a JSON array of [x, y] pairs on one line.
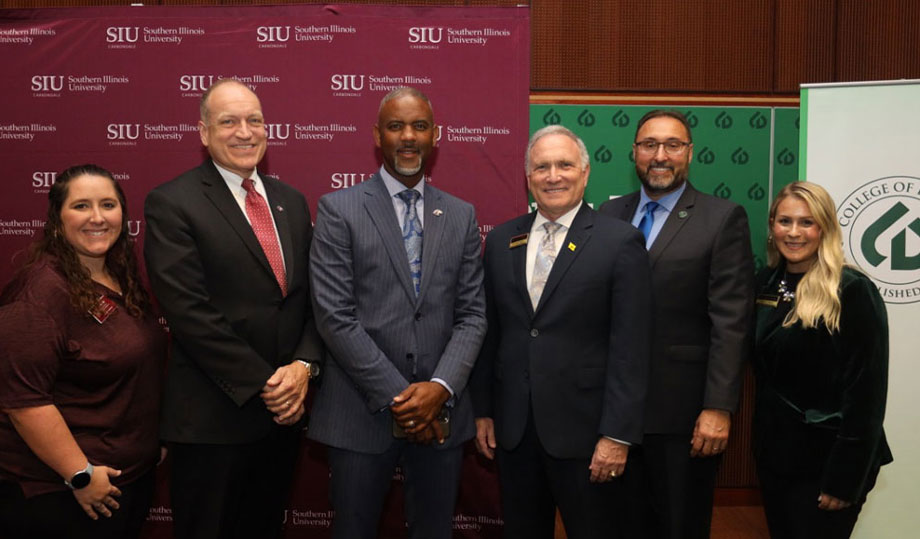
[[861, 141]]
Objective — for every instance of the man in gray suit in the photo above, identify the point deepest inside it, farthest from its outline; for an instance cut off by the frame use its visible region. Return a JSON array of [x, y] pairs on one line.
[[397, 293]]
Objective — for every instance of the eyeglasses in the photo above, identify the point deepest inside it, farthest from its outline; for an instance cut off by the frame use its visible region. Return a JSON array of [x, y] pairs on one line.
[[671, 147]]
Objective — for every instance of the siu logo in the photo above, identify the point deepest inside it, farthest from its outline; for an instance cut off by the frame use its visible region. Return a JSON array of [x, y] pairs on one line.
[[277, 131], [425, 34], [195, 83], [341, 180], [340, 83], [273, 34], [43, 180], [123, 131], [121, 34], [134, 228], [47, 83]]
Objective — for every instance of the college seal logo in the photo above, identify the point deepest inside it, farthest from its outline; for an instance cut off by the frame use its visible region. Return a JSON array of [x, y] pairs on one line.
[[881, 235]]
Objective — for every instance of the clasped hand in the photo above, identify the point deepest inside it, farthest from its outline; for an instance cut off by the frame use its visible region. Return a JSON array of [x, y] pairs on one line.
[[416, 410], [285, 391]]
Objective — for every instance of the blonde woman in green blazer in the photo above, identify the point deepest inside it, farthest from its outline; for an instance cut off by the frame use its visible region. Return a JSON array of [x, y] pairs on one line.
[[821, 365]]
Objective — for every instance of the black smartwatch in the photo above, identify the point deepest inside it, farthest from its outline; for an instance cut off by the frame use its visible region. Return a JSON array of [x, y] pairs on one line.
[[312, 368], [81, 478]]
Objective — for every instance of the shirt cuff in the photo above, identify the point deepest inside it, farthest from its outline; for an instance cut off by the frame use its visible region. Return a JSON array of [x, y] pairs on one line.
[[450, 401], [627, 444]]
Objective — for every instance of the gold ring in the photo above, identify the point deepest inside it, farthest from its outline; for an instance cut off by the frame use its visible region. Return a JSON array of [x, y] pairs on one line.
[[613, 473]]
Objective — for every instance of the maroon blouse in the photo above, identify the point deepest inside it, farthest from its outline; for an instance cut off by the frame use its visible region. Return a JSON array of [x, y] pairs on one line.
[[105, 378]]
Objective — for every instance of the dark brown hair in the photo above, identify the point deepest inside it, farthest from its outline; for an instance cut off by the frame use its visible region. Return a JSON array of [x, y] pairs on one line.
[[120, 260], [665, 113]]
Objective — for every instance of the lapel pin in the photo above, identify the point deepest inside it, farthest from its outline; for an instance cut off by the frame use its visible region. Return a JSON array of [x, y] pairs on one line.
[[517, 241], [279, 208], [438, 213], [682, 214], [571, 247]]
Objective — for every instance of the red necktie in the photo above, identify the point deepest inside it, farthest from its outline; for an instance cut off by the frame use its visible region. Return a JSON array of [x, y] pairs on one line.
[[260, 217]]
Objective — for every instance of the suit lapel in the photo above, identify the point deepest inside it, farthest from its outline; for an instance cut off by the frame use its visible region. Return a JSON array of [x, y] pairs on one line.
[[519, 261], [629, 207], [573, 245], [216, 190], [380, 208], [280, 214], [682, 213], [433, 228]]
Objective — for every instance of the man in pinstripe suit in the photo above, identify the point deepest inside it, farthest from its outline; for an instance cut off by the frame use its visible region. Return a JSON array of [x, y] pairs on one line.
[[402, 339]]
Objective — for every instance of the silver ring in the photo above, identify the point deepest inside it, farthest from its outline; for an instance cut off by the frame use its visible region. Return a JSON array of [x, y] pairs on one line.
[[411, 423]]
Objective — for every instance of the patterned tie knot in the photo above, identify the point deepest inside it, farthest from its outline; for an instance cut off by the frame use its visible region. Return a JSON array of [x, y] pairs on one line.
[[409, 196], [551, 228], [249, 185]]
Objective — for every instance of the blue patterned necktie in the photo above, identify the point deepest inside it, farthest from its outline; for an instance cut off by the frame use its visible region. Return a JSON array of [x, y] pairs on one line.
[[412, 236], [645, 225]]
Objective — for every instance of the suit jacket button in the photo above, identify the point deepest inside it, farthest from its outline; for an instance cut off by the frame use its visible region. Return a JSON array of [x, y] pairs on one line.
[[534, 332], [418, 316], [410, 356]]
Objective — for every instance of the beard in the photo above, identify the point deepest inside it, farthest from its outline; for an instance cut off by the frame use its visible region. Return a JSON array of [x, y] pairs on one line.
[[410, 170], [661, 185]]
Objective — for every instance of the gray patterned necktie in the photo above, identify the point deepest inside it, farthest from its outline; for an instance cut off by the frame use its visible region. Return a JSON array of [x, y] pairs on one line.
[[412, 236], [546, 255]]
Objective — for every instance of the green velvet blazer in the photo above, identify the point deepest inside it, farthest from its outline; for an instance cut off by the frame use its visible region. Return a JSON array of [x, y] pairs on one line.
[[820, 395]]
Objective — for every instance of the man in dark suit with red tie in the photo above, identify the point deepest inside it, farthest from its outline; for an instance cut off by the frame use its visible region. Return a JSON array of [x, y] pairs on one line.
[[702, 295], [227, 252]]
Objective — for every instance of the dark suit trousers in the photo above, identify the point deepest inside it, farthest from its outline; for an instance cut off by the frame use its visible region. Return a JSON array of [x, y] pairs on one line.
[[791, 505], [534, 483], [232, 491], [360, 482], [57, 514], [670, 491]]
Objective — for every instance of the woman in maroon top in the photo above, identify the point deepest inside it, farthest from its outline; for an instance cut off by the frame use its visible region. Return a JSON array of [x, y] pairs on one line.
[[81, 359]]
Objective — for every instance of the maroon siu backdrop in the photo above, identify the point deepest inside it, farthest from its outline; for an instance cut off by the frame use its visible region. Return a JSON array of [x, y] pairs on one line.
[[119, 87]]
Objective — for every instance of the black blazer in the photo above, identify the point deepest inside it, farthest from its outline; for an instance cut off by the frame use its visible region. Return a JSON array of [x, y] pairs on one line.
[[581, 360], [821, 396], [230, 326], [703, 296]]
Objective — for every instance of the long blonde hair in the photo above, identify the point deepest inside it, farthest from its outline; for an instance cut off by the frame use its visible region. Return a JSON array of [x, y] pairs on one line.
[[817, 297]]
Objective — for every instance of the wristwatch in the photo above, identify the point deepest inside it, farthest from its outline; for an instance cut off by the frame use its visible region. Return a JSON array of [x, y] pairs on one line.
[[312, 368], [81, 478]]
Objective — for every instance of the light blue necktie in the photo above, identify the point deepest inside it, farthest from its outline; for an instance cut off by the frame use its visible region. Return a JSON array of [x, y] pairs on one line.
[[412, 236], [645, 225]]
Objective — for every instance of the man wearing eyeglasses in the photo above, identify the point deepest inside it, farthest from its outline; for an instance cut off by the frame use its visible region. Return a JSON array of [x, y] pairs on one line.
[[227, 253], [702, 286]]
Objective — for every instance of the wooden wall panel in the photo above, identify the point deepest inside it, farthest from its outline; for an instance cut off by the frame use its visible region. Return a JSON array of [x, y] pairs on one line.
[[658, 45], [878, 40], [805, 43]]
